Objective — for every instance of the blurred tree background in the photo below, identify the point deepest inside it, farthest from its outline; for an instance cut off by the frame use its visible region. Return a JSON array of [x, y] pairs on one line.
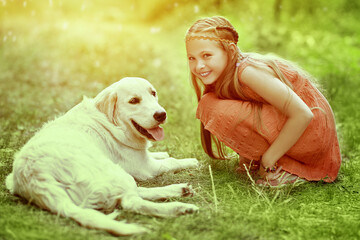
[[90, 44]]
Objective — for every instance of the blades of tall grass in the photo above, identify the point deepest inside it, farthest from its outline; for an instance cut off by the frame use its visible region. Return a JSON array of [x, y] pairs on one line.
[[213, 189]]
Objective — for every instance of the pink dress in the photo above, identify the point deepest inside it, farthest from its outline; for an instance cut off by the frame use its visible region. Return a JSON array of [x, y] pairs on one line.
[[315, 156]]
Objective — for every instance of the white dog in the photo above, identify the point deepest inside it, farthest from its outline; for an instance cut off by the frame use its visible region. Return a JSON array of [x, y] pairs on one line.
[[87, 160]]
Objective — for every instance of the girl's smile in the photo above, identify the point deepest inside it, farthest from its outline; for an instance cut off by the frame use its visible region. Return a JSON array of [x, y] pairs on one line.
[[207, 59], [205, 74]]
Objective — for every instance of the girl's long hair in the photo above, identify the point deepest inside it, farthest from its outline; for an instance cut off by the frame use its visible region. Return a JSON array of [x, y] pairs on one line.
[[228, 85]]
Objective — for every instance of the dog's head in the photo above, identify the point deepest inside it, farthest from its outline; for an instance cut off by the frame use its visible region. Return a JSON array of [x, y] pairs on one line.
[[133, 102]]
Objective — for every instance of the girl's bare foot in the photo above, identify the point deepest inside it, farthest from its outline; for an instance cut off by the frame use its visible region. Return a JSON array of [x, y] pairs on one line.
[[283, 179]]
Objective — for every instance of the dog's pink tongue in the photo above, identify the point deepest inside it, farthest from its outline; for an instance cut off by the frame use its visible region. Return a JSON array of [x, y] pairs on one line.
[[157, 133]]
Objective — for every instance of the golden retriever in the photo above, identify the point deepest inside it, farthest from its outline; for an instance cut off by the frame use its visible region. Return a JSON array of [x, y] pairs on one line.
[[84, 163]]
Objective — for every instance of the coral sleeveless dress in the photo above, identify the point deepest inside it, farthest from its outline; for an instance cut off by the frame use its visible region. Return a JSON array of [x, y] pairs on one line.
[[315, 156]]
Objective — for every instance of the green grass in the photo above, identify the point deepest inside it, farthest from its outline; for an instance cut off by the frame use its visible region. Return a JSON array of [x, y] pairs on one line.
[[51, 56]]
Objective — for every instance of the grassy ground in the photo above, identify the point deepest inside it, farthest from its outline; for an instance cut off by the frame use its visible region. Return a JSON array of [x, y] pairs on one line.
[[50, 56]]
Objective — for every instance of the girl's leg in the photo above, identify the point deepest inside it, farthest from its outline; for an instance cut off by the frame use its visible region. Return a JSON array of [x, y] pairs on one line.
[[237, 125]]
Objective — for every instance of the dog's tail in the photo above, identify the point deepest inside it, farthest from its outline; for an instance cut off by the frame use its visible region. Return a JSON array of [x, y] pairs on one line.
[[91, 218]]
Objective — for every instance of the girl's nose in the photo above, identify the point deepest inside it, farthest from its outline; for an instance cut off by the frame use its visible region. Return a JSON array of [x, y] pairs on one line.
[[200, 65]]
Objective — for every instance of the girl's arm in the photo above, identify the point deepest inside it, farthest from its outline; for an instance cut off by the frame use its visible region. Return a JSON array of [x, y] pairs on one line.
[[262, 80]]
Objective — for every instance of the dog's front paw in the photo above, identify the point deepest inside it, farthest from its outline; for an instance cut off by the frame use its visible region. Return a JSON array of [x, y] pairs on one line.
[[180, 190], [190, 162], [187, 191], [186, 208]]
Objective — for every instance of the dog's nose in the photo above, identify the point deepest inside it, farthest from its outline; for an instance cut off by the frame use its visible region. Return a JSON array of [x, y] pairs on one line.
[[160, 116]]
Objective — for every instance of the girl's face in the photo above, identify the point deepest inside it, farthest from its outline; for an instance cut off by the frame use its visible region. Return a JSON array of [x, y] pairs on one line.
[[207, 59]]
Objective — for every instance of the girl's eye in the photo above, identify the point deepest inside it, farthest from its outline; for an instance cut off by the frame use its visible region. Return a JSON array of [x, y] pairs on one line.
[[153, 93], [191, 58], [207, 55], [134, 100]]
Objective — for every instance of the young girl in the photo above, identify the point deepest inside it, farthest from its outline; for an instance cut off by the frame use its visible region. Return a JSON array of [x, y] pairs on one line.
[[266, 109]]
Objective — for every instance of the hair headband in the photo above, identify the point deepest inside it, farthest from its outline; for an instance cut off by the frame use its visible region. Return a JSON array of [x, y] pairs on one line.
[[188, 38]]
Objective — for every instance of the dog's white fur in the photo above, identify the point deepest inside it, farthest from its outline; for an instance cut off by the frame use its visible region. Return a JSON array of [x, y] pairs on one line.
[[87, 160]]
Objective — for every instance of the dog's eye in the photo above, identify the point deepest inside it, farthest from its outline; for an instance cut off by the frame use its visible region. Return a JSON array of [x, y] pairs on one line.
[[153, 93], [134, 100]]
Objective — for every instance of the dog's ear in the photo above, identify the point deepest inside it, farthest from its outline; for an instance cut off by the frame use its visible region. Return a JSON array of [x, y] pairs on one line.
[[105, 102]]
